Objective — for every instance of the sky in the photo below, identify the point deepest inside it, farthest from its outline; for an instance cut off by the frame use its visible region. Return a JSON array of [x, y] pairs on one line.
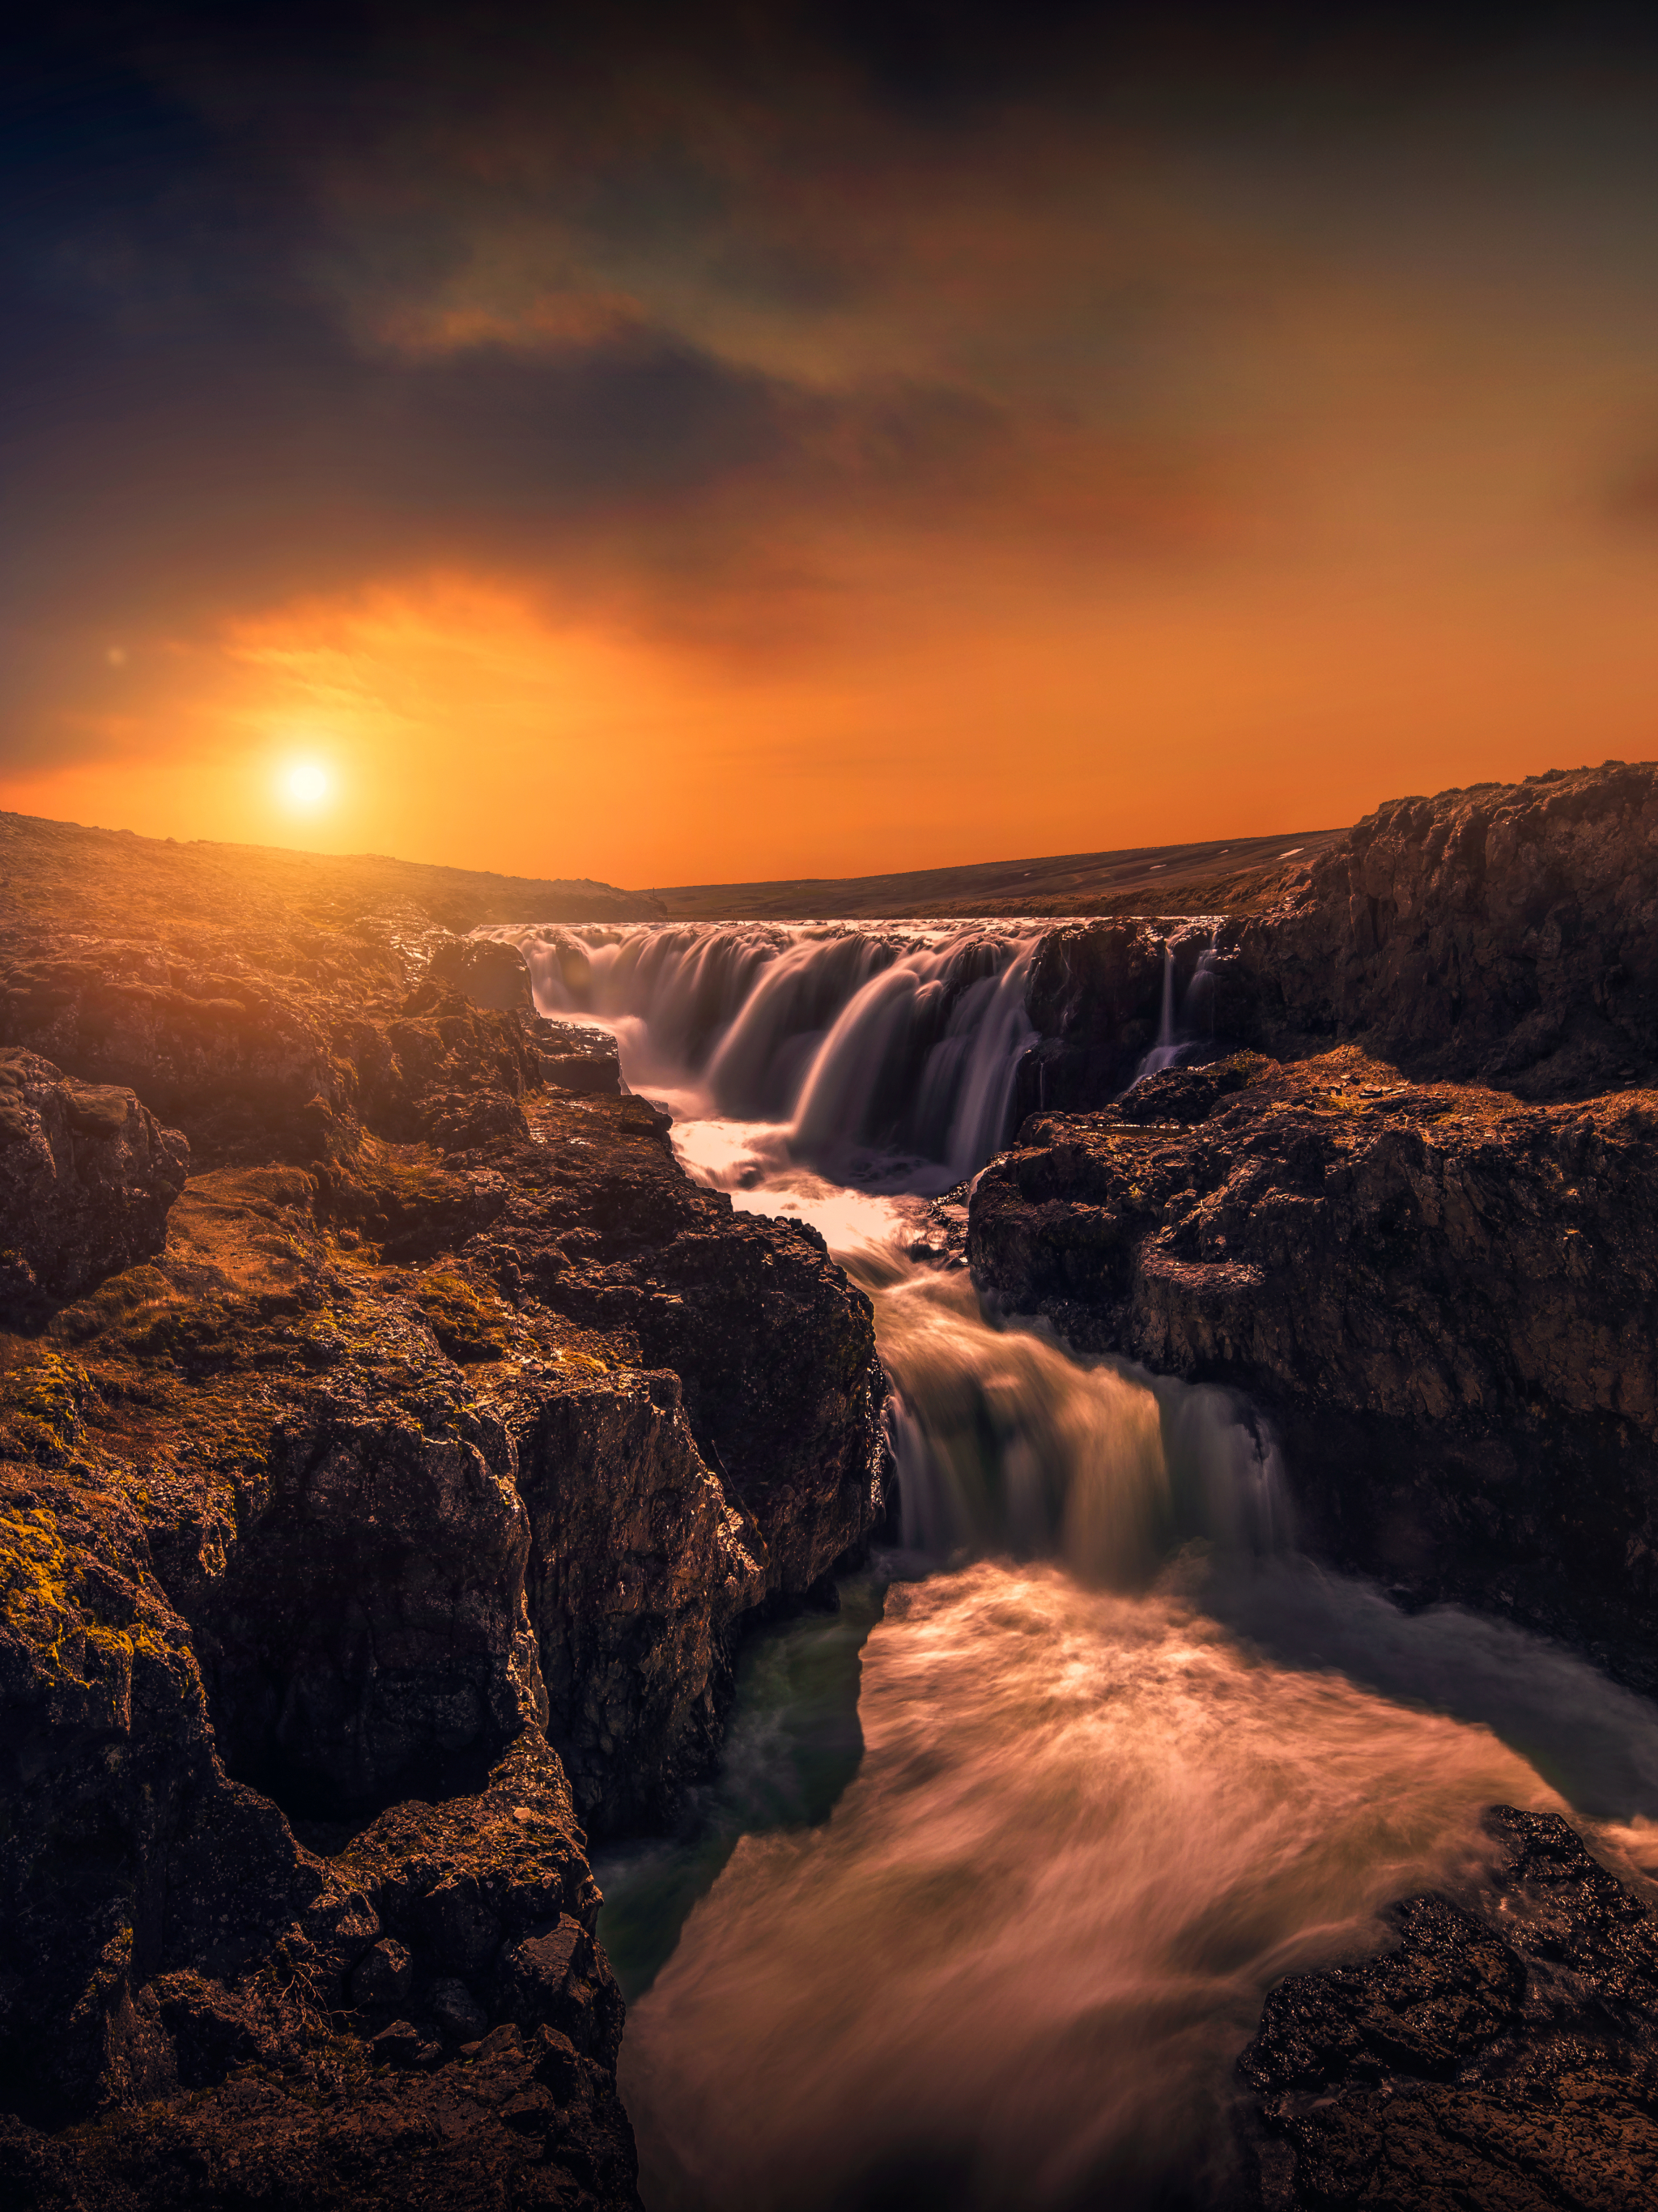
[[764, 441]]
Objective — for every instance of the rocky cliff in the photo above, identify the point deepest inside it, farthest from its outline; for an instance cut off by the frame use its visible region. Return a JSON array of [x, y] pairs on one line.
[[1506, 935], [379, 1505]]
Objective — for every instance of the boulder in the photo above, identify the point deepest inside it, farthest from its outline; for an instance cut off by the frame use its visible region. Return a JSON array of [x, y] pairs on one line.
[[485, 971], [88, 1176]]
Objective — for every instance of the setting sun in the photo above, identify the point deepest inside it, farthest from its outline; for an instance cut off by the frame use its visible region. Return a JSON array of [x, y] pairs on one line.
[[307, 784]]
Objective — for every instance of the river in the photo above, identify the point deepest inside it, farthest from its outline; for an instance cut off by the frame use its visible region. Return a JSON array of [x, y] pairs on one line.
[[1003, 1857]]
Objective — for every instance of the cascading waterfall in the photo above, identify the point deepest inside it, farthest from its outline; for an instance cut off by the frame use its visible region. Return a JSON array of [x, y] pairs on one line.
[[1126, 1757], [889, 1052]]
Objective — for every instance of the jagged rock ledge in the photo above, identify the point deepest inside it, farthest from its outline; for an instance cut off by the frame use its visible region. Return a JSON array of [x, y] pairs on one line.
[[379, 1508]]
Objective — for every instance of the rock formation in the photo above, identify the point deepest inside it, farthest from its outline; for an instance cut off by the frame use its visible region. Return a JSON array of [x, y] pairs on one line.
[[1505, 934], [1504, 2053], [379, 1508]]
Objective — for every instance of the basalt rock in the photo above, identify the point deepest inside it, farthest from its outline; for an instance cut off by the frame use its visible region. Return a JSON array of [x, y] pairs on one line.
[[486, 971], [575, 1057], [1442, 1298], [640, 1564], [444, 1071], [1503, 2054], [1505, 934], [87, 1179], [235, 1058]]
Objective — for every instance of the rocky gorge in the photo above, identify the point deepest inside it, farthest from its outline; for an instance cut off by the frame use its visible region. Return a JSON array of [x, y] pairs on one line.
[[397, 1444]]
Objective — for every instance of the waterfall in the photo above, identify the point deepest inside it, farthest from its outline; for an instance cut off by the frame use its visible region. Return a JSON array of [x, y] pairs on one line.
[[873, 1049], [1196, 1021], [999, 1867], [1005, 1444]]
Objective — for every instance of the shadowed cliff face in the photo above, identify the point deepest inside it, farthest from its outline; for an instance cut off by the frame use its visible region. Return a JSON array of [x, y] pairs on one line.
[[1506, 935], [439, 1426]]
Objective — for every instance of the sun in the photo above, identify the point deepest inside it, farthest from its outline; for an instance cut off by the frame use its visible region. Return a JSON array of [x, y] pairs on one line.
[[307, 784]]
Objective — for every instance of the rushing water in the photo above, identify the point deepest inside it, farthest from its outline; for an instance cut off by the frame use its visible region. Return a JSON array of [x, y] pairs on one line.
[[1002, 1859]]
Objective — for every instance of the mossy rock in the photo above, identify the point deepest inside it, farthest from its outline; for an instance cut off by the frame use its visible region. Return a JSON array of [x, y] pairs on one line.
[[41, 1409], [469, 1326]]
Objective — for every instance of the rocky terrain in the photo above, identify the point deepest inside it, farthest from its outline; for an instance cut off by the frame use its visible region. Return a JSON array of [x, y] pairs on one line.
[[1501, 2054], [392, 1445]]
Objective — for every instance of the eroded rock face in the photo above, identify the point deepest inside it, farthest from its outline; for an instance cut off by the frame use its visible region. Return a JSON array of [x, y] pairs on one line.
[[87, 1179], [1441, 1297], [640, 1564], [1504, 2054], [231, 1055], [1504, 934], [486, 971], [575, 1057]]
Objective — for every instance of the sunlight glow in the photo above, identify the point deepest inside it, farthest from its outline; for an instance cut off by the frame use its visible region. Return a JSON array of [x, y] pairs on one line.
[[307, 784]]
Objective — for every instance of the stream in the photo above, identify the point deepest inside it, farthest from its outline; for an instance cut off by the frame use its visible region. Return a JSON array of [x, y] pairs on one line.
[[1002, 1855]]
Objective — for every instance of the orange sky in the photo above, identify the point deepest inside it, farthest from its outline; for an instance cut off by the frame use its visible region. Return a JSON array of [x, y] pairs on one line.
[[707, 499]]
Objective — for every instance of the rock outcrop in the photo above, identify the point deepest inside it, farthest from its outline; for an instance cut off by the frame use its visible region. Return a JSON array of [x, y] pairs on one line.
[[1505, 2053], [436, 1432], [1442, 1298], [88, 1176], [1505, 934]]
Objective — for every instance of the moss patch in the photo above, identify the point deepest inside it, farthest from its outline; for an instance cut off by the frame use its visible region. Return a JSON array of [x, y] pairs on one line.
[[41, 1409], [468, 1326]]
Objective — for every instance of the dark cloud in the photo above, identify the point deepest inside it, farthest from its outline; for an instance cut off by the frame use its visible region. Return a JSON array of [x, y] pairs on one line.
[[627, 295]]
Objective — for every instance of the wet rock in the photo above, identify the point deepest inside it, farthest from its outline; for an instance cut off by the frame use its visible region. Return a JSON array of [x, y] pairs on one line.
[[485, 971], [575, 1057], [1504, 2052], [87, 1179], [1441, 1297], [640, 1565]]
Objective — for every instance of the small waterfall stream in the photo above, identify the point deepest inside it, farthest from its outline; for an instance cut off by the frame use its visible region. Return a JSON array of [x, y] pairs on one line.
[[1000, 1861]]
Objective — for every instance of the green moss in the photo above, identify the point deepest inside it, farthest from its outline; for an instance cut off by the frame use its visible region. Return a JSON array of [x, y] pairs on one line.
[[35, 1578], [468, 1326], [41, 1406]]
